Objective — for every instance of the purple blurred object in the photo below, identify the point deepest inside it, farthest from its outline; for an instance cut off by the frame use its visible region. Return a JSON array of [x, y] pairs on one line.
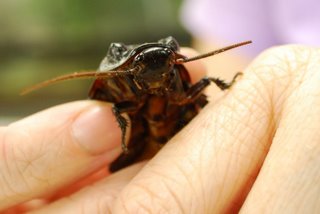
[[267, 22]]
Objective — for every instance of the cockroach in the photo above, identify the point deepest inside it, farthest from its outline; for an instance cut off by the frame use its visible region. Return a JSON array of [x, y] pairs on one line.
[[151, 85]]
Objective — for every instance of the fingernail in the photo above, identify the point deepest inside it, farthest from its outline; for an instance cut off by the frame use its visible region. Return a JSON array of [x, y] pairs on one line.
[[96, 130]]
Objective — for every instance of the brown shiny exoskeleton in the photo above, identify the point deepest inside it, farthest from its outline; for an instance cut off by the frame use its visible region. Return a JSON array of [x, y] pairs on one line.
[[151, 85]]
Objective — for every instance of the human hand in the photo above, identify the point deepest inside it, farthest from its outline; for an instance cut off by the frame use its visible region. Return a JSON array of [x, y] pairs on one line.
[[54, 153], [256, 150], [263, 132]]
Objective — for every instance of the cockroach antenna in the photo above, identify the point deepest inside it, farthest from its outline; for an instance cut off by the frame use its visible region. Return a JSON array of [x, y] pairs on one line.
[[77, 75], [110, 74], [184, 60]]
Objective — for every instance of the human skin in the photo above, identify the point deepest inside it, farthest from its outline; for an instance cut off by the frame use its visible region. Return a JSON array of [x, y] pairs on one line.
[[255, 149]]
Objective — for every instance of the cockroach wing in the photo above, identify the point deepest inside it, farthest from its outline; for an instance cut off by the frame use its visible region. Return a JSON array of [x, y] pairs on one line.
[[117, 55]]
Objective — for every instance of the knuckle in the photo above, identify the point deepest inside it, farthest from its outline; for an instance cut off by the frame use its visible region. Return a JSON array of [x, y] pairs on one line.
[[278, 71], [164, 196], [285, 60], [104, 201], [137, 200]]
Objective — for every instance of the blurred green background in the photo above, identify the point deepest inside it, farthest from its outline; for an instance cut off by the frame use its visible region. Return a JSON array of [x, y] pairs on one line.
[[42, 39]]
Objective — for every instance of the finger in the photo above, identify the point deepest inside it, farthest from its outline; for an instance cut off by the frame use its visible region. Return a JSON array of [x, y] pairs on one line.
[[289, 178], [210, 166], [59, 195], [53, 148], [96, 198]]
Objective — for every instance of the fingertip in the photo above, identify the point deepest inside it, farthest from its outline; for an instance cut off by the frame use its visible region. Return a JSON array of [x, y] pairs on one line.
[[96, 129]]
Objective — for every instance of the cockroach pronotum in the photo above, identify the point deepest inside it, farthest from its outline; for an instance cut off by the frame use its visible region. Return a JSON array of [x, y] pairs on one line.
[[149, 83]]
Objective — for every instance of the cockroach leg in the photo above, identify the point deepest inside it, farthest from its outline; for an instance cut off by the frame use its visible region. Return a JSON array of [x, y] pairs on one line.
[[222, 84], [118, 109], [196, 90]]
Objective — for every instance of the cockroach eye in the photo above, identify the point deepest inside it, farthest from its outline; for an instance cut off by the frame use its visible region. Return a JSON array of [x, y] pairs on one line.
[[139, 58], [167, 51]]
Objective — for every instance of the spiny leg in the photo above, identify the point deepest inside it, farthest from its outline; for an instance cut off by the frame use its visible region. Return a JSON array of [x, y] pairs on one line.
[[136, 148], [222, 84], [123, 124], [117, 110], [196, 90]]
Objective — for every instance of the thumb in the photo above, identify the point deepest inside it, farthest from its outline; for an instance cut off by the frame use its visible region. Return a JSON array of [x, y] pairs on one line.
[[53, 148]]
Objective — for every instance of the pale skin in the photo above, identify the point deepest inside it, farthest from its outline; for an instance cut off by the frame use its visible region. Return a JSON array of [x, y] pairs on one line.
[[255, 149]]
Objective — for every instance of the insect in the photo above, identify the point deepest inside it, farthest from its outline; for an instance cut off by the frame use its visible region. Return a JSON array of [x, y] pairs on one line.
[[151, 85]]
